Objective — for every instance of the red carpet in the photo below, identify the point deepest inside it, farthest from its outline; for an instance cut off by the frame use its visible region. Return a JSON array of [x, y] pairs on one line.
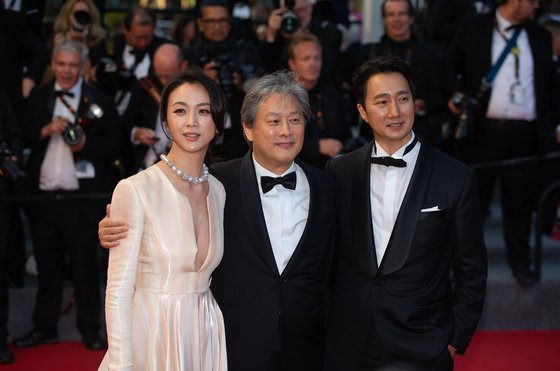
[[489, 351], [512, 351]]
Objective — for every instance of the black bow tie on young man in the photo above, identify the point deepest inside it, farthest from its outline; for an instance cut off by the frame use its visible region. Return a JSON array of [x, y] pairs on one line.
[[61, 93], [391, 161], [288, 181]]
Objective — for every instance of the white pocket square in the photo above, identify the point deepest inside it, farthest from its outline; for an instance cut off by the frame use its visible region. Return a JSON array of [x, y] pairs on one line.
[[430, 209]]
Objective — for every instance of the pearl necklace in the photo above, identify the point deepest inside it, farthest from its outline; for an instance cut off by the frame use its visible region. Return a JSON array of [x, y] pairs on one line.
[[186, 177]]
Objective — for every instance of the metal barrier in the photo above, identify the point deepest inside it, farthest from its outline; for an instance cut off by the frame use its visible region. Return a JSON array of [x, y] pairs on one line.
[[539, 226], [537, 253]]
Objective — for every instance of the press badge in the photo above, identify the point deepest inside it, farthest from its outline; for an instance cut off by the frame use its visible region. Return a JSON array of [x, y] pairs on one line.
[[85, 170], [516, 93]]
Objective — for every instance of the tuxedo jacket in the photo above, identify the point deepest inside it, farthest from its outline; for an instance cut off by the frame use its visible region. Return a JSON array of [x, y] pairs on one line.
[[259, 304], [117, 49], [415, 308], [470, 55], [103, 136], [142, 111]]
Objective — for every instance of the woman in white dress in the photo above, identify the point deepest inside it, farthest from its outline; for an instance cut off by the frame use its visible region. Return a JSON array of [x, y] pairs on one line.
[[160, 312]]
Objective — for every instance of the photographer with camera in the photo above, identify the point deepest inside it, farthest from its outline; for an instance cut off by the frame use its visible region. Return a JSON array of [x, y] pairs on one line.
[[297, 17], [505, 60], [141, 119], [11, 145], [233, 63], [73, 132], [121, 60]]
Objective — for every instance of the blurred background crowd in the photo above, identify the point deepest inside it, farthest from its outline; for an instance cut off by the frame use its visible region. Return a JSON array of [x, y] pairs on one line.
[[81, 83]]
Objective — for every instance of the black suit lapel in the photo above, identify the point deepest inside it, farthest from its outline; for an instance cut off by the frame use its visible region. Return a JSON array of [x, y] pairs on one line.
[[399, 244], [252, 210], [313, 218], [361, 206]]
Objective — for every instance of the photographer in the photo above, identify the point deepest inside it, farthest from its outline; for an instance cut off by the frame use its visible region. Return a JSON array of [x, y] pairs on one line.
[[73, 133], [141, 119], [513, 117], [10, 151], [233, 63], [121, 60], [297, 17]]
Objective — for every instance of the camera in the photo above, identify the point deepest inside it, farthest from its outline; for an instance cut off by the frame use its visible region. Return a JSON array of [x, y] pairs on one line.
[[11, 170], [80, 21], [225, 67], [111, 78], [290, 20], [465, 126], [74, 132]]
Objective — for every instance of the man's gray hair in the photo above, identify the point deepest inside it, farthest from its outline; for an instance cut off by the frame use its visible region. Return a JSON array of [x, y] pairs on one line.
[[70, 46], [281, 82]]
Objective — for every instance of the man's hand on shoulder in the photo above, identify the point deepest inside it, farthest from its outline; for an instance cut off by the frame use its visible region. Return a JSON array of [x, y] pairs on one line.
[[111, 231]]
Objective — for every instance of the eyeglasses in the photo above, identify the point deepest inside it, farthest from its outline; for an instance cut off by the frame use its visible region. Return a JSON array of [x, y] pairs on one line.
[[220, 22]]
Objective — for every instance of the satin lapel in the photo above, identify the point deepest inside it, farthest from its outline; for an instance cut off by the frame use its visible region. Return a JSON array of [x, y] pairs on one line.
[[361, 210], [400, 243], [313, 218], [252, 210]]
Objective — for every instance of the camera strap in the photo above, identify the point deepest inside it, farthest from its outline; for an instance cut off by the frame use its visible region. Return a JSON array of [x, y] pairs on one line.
[[151, 89], [491, 75]]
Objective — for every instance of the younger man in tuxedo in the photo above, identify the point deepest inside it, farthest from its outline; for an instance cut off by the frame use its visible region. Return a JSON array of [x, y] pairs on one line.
[[278, 230], [408, 214]]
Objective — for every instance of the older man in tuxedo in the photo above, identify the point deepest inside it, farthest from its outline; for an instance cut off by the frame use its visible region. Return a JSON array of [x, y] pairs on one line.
[[73, 134], [408, 214], [278, 232]]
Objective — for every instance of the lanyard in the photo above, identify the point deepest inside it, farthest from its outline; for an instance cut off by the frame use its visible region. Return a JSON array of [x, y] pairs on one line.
[[514, 49]]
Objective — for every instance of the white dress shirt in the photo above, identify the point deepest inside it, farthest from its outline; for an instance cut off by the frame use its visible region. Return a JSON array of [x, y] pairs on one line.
[[58, 169], [388, 186], [285, 213], [14, 5], [142, 68], [500, 105]]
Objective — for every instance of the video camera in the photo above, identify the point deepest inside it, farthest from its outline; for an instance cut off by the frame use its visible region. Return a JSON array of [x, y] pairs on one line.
[[290, 20], [11, 170], [74, 132]]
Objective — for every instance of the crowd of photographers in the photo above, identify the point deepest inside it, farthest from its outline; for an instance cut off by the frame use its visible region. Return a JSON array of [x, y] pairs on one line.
[[85, 103]]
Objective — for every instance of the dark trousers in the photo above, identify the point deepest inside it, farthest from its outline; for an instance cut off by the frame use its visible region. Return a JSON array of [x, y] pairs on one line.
[[5, 216], [503, 140], [61, 229], [376, 358]]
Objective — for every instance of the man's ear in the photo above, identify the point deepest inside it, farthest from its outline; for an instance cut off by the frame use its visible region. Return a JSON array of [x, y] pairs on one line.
[[292, 65], [247, 133], [362, 111]]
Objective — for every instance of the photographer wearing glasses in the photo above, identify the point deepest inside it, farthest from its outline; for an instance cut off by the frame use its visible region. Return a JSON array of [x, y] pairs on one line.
[[73, 133], [233, 63]]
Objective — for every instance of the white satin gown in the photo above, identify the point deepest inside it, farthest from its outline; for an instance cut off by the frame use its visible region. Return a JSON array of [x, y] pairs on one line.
[[160, 312]]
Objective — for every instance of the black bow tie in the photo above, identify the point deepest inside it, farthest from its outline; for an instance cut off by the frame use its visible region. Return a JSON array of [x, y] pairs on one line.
[[391, 161], [60, 93], [388, 161], [287, 181]]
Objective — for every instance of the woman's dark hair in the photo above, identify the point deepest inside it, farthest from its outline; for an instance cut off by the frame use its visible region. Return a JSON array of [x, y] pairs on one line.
[[195, 75], [177, 34], [386, 64]]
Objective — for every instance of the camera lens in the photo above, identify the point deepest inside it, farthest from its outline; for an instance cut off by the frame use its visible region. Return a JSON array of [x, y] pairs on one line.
[[290, 22], [80, 20]]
